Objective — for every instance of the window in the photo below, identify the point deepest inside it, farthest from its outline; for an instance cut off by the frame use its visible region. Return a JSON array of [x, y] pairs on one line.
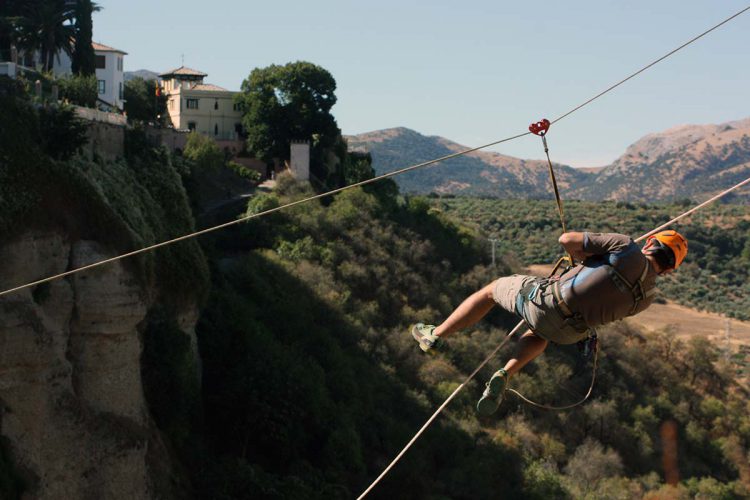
[[216, 104], [237, 106], [119, 63], [102, 87], [216, 129], [191, 126], [101, 62], [121, 91], [192, 103]]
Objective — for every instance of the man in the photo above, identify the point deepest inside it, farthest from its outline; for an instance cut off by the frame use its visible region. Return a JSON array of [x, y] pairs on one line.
[[614, 279]]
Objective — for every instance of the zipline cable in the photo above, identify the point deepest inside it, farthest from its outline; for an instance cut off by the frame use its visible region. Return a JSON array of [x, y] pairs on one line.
[[633, 75], [516, 329], [253, 216], [369, 181]]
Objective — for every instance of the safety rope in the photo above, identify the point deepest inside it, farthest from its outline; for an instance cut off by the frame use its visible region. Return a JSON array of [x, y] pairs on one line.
[[516, 329], [374, 179], [566, 407]]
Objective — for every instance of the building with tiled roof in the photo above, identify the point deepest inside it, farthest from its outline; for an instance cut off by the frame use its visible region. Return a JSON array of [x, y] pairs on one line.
[[202, 107], [110, 74], [100, 47], [185, 73]]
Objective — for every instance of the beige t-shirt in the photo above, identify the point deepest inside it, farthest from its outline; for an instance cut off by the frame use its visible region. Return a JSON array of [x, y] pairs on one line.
[[589, 289]]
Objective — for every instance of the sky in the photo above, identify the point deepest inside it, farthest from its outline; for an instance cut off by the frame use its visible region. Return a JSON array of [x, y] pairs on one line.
[[473, 71]]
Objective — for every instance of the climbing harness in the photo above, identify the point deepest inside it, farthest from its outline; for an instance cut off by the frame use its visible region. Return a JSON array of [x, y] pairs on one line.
[[636, 289]]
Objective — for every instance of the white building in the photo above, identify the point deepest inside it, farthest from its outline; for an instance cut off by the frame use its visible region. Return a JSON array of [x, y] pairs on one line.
[[110, 73]]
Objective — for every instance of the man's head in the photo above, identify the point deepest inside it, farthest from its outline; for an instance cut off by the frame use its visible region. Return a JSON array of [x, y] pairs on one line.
[[667, 249]]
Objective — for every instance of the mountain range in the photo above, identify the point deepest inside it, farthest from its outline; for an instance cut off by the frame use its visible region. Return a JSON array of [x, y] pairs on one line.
[[689, 161]]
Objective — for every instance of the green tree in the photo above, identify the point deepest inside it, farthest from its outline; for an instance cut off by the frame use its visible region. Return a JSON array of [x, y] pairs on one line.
[[290, 102], [204, 152], [142, 103], [84, 60], [79, 89]]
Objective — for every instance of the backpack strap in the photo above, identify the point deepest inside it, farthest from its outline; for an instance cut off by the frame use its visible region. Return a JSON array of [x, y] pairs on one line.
[[636, 289]]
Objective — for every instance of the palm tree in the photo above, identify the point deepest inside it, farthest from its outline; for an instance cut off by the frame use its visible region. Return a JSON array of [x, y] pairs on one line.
[[46, 26]]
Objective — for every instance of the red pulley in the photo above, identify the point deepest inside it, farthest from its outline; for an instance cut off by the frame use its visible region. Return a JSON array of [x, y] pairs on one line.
[[540, 128]]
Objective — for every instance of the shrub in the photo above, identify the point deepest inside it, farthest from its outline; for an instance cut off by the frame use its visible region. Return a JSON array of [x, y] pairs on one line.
[[204, 152], [78, 89]]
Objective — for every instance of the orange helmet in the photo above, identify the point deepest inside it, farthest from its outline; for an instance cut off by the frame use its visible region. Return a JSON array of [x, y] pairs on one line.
[[674, 242]]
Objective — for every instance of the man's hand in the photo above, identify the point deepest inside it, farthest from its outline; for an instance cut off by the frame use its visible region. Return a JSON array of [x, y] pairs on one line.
[[572, 242]]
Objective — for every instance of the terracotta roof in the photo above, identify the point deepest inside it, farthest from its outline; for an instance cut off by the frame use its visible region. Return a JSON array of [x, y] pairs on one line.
[[183, 71], [104, 48], [208, 86]]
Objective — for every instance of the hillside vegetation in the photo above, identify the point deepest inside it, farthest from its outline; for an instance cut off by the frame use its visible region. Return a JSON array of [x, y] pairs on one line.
[[309, 384], [312, 383]]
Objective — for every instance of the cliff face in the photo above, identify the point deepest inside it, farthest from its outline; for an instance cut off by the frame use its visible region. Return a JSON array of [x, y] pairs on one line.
[[73, 407]]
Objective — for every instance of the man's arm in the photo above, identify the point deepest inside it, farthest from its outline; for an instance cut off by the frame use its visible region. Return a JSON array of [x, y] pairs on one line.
[[582, 245], [572, 242]]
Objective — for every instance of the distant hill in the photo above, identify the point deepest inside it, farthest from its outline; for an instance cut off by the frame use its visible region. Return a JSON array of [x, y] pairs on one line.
[[480, 173], [690, 161], [141, 73]]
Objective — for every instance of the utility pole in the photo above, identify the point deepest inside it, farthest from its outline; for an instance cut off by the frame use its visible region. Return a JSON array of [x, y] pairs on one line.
[[493, 241], [727, 327]]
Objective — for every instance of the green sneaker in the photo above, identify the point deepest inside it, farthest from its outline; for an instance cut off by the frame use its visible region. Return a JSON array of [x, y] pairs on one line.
[[428, 341], [493, 394]]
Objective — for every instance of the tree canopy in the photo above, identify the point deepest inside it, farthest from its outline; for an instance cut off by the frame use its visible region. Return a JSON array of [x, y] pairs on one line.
[[84, 58], [286, 103], [142, 102]]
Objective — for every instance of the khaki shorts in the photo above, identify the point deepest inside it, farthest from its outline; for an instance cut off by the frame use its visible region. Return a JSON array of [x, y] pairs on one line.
[[540, 314]]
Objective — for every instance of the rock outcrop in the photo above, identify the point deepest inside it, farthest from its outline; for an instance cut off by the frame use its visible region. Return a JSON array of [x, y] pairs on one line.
[[72, 403]]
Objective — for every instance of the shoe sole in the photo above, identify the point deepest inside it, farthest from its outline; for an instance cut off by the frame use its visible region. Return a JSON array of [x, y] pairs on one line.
[[418, 337], [489, 404]]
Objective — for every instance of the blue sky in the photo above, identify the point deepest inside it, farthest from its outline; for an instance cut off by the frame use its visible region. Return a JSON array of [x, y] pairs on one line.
[[471, 71]]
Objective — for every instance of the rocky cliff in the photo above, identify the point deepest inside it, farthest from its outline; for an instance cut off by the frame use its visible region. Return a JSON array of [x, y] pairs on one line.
[[73, 407], [75, 416]]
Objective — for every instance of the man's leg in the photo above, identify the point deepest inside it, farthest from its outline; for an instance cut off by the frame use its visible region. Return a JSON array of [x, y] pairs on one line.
[[471, 310], [529, 347]]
